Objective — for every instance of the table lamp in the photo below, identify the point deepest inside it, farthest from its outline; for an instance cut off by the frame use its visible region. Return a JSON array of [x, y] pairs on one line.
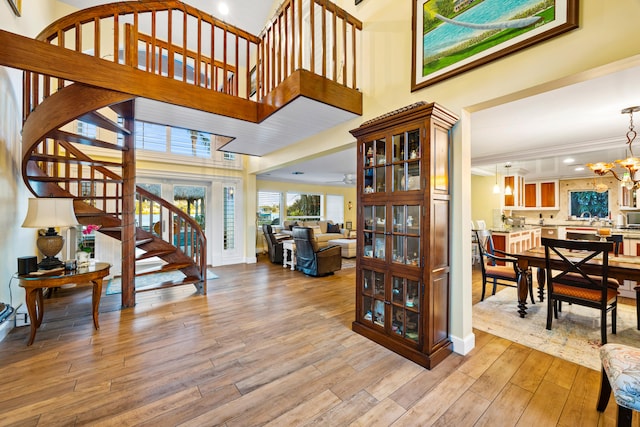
[[48, 213]]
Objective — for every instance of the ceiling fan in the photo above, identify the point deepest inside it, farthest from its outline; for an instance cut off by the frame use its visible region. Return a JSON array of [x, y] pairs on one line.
[[349, 179]]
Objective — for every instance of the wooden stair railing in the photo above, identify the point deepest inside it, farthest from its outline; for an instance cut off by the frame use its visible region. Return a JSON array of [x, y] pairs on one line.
[[240, 68], [178, 41], [55, 164]]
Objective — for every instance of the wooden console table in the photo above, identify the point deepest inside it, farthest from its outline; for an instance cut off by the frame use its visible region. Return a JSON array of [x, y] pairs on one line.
[[34, 283]]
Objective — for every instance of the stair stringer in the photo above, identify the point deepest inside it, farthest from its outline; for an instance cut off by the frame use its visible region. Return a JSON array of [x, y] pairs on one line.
[[57, 110]]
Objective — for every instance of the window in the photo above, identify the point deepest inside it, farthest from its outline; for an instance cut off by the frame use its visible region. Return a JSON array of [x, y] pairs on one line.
[[589, 204], [269, 208], [190, 143], [150, 136], [86, 129], [229, 218], [306, 207], [335, 208], [229, 156]]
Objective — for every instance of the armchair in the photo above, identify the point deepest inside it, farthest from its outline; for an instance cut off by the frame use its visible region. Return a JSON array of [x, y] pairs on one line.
[[311, 260], [274, 246]]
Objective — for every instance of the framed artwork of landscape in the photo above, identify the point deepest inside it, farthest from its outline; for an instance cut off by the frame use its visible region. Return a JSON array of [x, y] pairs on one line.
[[451, 37]]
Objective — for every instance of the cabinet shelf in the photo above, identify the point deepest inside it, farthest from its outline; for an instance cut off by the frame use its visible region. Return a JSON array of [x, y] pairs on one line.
[[402, 273]]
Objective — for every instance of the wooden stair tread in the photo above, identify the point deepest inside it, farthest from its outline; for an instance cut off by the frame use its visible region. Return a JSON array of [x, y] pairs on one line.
[[165, 268], [155, 253], [170, 284], [100, 120], [85, 140], [64, 159]]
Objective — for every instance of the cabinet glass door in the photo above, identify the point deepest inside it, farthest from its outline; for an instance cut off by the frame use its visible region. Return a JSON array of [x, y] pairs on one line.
[[374, 168], [373, 297], [375, 225], [406, 161], [405, 242], [405, 307]]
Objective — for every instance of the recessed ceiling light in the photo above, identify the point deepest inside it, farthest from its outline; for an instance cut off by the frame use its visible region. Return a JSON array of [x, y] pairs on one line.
[[568, 160], [223, 8], [579, 169]]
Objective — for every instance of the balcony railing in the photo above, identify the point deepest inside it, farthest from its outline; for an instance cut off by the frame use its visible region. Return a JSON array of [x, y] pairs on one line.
[[175, 40]]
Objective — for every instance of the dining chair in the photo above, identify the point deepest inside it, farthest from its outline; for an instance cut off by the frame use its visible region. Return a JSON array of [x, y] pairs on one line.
[[572, 277], [499, 267]]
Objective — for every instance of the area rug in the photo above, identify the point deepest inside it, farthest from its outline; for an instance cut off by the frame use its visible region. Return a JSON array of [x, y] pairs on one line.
[[115, 285], [348, 262], [574, 336]]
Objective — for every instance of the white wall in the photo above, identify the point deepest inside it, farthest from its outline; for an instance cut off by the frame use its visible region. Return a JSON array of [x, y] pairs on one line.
[[608, 32], [16, 241]]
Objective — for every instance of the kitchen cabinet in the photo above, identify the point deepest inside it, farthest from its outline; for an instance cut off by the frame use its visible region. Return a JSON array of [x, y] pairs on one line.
[[542, 195], [516, 198], [403, 232], [629, 199]]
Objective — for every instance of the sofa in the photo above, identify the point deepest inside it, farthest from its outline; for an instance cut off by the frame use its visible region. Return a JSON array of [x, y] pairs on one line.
[[322, 232]]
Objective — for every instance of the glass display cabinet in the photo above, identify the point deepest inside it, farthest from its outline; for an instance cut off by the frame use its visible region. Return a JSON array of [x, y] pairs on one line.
[[402, 292]]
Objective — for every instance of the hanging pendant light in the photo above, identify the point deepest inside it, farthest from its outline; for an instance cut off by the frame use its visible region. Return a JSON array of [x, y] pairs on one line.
[[631, 164], [496, 187], [507, 189]]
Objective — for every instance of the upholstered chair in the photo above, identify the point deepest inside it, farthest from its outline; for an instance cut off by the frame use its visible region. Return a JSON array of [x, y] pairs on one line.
[[275, 247], [310, 259]]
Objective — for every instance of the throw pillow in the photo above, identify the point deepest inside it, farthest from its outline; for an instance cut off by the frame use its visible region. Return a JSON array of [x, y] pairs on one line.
[[333, 228], [295, 224]]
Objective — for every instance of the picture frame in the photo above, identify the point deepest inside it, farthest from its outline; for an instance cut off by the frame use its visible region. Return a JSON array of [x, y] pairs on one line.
[[16, 5], [349, 225], [454, 42]]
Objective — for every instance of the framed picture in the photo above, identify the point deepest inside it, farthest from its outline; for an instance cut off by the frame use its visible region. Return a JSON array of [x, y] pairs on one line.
[[349, 225], [16, 5], [253, 82], [450, 39]]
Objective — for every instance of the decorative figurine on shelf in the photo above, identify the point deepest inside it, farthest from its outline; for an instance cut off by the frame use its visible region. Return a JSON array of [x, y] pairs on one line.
[[414, 154], [409, 221]]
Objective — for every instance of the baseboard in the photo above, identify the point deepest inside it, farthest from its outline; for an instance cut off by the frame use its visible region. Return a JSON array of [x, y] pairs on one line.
[[464, 345]]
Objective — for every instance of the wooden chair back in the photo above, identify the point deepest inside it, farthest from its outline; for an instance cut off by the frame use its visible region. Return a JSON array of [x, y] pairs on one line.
[[577, 272]]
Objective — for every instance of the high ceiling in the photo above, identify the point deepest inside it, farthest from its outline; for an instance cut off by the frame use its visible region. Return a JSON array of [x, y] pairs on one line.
[[580, 119], [249, 15]]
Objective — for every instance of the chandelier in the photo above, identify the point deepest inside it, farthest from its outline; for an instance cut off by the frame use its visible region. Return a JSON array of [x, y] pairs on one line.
[[630, 165]]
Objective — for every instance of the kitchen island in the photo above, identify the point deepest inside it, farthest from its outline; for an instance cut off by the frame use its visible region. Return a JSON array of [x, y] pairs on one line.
[[516, 239]]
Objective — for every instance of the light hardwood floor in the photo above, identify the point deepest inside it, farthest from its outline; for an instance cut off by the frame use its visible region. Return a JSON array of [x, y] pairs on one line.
[[269, 346]]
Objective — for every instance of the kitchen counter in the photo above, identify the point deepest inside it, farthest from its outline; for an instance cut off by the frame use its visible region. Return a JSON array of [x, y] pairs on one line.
[[514, 229]]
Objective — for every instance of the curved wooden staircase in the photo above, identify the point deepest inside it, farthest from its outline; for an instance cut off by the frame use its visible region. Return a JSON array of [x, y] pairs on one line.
[[87, 68], [55, 165]]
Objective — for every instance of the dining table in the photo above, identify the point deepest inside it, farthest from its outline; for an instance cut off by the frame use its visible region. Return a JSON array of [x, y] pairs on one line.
[[620, 267]]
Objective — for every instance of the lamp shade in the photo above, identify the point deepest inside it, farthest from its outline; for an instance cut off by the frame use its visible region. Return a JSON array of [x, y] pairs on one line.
[[50, 212]]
